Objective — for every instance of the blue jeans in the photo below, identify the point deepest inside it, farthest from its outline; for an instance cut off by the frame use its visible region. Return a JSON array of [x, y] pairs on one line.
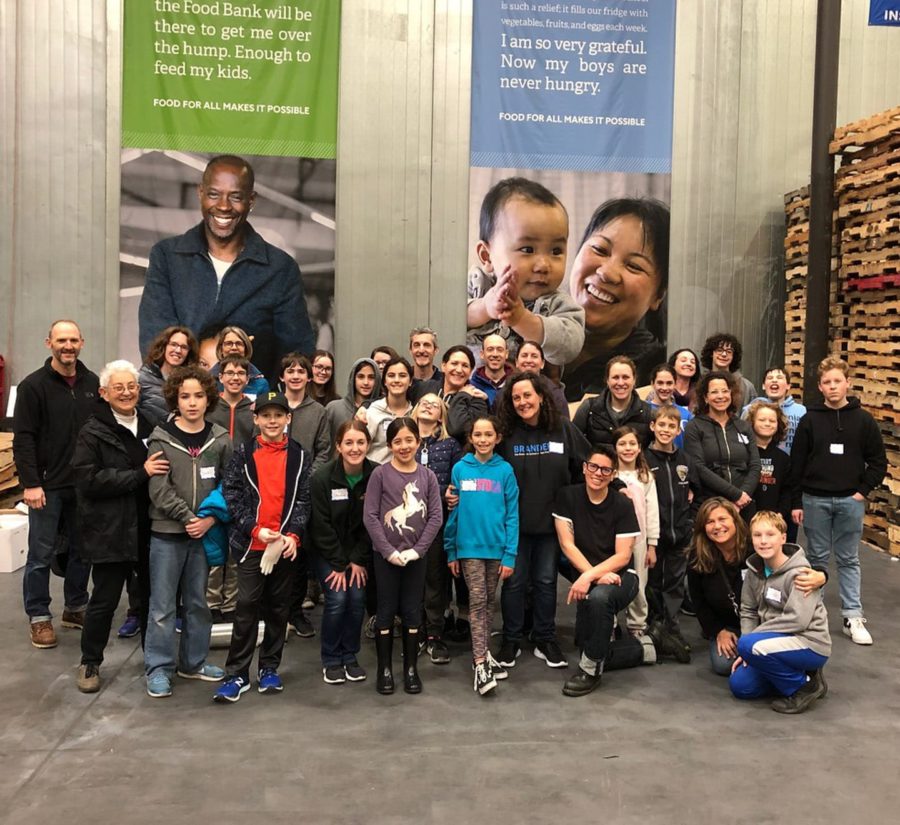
[[174, 561], [342, 619], [775, 663], [43, 526], [721, 665], [836, 524], [536, 562]]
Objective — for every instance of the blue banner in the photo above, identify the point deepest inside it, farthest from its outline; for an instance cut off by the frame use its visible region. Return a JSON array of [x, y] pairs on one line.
[[578, 86], [884, 12]]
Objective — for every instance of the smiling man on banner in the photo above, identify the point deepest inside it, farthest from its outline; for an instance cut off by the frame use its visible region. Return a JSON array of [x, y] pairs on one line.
[[221, 272]]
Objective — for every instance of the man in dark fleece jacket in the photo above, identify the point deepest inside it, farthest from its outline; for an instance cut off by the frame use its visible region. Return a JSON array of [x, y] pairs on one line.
[[837, 459], [51, 405]]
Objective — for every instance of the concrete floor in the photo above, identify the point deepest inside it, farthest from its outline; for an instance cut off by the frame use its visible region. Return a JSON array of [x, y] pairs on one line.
[[663, 744]]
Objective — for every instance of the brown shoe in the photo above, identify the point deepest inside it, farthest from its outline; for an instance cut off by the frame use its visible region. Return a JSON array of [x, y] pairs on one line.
[[42, 634], [73, 619], [88, 678]]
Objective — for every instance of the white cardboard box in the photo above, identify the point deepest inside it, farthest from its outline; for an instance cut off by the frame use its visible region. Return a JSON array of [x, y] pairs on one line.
[[13, 543]]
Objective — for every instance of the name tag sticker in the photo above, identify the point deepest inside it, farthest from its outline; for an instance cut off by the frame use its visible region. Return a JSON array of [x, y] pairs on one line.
[[556, 447], [207, 472], [773, 595], [468, 485], [836, 449], [340, 494], [743, 438]]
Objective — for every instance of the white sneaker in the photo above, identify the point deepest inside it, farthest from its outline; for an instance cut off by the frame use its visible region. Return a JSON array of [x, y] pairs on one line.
[[855, 628]]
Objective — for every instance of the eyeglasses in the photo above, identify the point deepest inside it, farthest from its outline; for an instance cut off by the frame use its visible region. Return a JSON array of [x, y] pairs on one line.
[[322, 368], [725, 348], [234, 374], [432, 405], [597, 469], [232, 345], [119, 389], [181, 347]]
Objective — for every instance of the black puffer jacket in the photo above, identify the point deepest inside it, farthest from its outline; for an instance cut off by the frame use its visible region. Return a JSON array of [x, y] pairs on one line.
[[111, 488], [596, 421]]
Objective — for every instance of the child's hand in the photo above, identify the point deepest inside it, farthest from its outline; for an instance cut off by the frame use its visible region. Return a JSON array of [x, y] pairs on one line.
[[451, 497], [197, 528], [743, 501], [358, 575], [337, 581], [739, 662], [454, 568], [408, 556], [290, 548], [650, 561], [506, 572], [797, 516], [502, 295], [396, 558], [267, 536], [726, 643]]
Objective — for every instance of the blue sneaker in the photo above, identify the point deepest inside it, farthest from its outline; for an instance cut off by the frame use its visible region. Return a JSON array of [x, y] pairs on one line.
[[159, 685], [231, 689], [207, 673], [130, 627], [270, 681]]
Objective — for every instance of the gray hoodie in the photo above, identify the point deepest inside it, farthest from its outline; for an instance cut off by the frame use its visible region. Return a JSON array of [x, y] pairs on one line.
[[772, 604], [343, 409], [309, 428]]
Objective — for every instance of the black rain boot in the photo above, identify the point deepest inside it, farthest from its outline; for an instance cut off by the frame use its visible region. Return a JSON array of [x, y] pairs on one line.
[[411, 681], [384, 648]]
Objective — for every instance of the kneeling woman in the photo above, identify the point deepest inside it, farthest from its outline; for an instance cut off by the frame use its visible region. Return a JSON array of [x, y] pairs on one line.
[[596, 530], [342, 550], [403, 515]]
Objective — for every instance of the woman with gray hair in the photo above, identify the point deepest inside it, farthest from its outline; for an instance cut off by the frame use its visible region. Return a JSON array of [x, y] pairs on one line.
[[112, 470]]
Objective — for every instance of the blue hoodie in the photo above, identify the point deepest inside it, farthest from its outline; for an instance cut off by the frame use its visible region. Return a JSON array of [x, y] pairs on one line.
[[485, 523]]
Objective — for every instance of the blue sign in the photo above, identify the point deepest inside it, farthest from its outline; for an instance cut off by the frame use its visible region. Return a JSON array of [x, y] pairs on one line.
[[581, 86], [884, 12]]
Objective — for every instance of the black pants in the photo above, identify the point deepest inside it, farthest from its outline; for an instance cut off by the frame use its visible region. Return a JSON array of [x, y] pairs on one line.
[[437, 586], [400, 591], [301, 582], [108, 579], [268, 597], [665, 582]]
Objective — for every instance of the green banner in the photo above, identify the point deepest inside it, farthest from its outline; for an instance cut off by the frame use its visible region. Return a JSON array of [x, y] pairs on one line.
[[253, 77]]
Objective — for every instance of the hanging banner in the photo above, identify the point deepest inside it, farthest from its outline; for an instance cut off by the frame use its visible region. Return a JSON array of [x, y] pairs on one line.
[[256, 79], [578, 97], [884, 12]]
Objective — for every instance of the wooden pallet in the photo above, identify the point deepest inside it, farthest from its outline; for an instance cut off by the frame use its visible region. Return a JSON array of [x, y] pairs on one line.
[[867, 131]]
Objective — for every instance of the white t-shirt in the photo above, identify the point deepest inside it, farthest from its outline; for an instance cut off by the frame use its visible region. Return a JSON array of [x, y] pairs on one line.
[[128, 423]]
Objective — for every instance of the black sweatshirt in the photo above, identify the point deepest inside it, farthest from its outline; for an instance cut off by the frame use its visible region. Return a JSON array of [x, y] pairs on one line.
[[774, 489], [675, 476]]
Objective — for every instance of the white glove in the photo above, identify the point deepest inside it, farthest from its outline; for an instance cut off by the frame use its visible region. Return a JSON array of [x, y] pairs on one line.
[[271, 555], [397, 558], [409, 555]]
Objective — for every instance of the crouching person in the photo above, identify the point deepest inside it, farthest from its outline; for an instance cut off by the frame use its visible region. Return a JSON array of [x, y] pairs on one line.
[[266, 487]]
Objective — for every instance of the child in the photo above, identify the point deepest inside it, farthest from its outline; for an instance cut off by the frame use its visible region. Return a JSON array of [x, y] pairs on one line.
[[236, 414], [673, 476], [773, 491], [397, 380], [784, 641], [633, 470], [198, 452], [514, 290], [481, 538], [402, 515], [662, 394], [267, 490]]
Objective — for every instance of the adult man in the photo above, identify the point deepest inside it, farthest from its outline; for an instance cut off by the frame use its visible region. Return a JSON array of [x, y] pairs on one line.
[[491, 376], [51, 405], [222, 271], [423, 348], [778, 391]]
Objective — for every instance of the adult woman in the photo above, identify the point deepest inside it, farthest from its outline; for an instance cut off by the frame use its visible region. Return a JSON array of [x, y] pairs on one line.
[[322, 388], [111, 470], [617, 405], [619, 276], [439, 452], [234, 341], [721, 445], [363, 387], [686, 366], [662, 393], [342, 549], [546, 454], [719, 547], [173, 347], [723, 352], [530, 358], [395, 404]]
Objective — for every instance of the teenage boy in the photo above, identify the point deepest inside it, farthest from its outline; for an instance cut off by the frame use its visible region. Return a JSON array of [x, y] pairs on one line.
[[197, 451], [234, 411], [267, 490], [777, 389], [674, 475], [837, 459], [491, 376]]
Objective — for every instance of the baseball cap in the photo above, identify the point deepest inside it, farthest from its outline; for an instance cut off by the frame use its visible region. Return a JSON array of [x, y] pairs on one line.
[[271, 399]]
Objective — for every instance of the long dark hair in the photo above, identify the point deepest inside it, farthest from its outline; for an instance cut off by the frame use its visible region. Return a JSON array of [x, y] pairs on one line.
[[548, 419], [323, 393]]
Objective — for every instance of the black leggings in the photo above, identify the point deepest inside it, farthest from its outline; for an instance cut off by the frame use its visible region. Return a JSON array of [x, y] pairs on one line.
[[400, 592]]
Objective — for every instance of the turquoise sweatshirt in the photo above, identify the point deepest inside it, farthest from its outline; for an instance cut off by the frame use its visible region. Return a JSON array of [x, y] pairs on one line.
[[485, 523]]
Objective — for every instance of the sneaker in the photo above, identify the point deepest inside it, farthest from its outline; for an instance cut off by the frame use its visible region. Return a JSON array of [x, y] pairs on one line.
[[354, 672], [581, 684], [302, 626], [802, 700], [497, 669], [651, 656], [818, 676], [509, 652], [438, 651], [73, 619], [130, 627], [207, 673], [88, 678], [43, 635], [308, 603], [484, 680], [159, 685], [550, 652], [231, 689], [334, 675], [269, 681], [370, 628], [855, 628]]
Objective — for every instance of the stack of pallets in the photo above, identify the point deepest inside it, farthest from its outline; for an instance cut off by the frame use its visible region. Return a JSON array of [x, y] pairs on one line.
[[796, 258], [9, 479]]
